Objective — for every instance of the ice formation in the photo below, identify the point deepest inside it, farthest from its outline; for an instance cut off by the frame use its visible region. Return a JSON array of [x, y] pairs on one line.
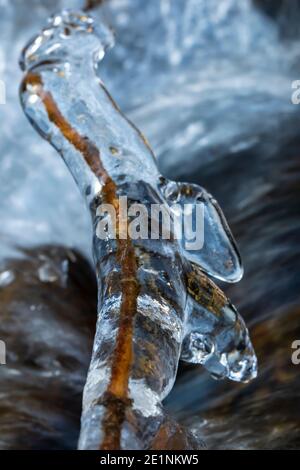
[[156, 302], [233, 77]]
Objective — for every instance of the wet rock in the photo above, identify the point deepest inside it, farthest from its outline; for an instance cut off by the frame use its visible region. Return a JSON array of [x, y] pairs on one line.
[[47, 326]]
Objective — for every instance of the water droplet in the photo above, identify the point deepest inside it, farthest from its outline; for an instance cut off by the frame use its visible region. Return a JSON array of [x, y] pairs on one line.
[[6, 278], [50, 271], [47, 273]]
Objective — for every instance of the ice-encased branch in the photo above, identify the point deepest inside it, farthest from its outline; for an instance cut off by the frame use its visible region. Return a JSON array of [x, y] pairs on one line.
[[155, 301]]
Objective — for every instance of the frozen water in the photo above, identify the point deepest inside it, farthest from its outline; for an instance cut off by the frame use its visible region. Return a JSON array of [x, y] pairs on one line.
[[215, 333], [136, 342], [40, 201], [207, 74], [218, 256]]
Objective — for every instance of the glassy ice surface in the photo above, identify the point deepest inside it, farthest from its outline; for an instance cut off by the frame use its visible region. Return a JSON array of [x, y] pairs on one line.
[[142, 284], [215, 334], [219, 255]]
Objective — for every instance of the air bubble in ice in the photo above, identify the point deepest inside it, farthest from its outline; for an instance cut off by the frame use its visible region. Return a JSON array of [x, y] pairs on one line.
[[197, 348]]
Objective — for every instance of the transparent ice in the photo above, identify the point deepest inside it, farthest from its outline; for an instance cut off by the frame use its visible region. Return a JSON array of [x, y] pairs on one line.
[[208, 74], [179, 311]]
